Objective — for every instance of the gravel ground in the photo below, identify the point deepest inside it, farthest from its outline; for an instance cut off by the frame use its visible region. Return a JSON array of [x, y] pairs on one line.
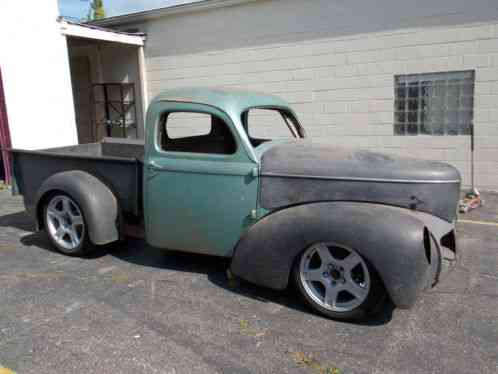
[[131, 308]]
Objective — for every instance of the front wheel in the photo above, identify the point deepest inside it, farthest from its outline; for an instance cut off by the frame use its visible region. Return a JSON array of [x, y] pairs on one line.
[[337, 282], [66, 226]]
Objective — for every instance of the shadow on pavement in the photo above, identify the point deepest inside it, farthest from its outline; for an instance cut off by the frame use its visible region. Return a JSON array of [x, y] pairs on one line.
[[138, 252], [19, 220]]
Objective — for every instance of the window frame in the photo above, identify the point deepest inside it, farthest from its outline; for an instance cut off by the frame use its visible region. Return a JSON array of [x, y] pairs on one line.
[[281, 110], [403, 81], [161, 121]]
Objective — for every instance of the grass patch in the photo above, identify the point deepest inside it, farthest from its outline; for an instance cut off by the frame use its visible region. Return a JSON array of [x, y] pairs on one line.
[[48, 275], [309, 361], [246, 329], [6, 371], [120, 277]]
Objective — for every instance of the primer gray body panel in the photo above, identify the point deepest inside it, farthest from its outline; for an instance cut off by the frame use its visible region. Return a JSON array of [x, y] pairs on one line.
[[115, 162], [301, 171], [97, 201], [390, 238]]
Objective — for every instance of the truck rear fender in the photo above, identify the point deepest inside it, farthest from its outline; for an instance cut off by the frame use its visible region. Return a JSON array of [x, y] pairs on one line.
[[391, 239], [99, 204]]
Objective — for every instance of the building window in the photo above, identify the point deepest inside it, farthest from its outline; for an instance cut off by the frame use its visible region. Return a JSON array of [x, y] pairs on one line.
[[434, 104]]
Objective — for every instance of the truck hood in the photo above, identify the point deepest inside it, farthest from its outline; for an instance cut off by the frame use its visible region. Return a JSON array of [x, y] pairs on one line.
[[307, 159], [300, 171]]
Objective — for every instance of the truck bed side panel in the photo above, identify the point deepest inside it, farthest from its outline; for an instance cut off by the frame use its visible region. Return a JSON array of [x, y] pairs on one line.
[[122, 176]]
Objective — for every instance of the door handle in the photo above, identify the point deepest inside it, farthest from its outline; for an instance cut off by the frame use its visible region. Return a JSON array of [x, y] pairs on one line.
[[153, 171], [152, 167]]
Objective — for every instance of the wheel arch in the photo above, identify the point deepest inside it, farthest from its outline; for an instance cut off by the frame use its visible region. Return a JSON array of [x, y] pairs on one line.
[[98, 203], [391, 239]]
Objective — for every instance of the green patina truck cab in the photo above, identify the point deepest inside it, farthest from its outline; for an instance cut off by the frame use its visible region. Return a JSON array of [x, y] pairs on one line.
[[346, 225], [203, 202]]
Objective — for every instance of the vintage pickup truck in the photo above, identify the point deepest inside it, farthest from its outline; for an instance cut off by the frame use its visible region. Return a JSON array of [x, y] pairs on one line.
[[230, 173]]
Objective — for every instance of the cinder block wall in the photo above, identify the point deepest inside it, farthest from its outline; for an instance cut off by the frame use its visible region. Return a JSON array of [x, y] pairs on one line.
[[337, 69]]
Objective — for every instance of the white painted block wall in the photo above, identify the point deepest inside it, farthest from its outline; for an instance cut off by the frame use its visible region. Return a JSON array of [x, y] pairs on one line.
[[36, 75], [340, 82]]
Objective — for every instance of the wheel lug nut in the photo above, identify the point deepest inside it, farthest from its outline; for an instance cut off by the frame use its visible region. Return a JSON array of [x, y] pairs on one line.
[[325, 274]]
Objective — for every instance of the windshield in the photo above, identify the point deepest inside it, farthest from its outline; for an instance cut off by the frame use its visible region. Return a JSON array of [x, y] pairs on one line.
[[265, 124]]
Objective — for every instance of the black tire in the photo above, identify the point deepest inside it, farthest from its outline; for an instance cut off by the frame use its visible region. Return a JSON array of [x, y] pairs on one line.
[[84, 245], [373, 302]]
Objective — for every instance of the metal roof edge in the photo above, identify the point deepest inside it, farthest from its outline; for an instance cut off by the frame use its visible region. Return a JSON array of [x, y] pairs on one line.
[[198, 5]]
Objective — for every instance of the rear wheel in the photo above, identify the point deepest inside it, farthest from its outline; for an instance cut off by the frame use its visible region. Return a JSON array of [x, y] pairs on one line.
[[337, 282], [66, 226]]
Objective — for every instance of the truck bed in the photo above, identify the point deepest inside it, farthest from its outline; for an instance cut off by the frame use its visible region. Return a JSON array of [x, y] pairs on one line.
[[116, 162]]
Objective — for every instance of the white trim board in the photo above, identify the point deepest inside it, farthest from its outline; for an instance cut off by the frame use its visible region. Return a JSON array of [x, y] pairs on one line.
[[81, 31]]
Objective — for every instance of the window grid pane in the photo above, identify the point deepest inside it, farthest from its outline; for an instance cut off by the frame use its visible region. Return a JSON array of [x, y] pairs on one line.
[[434, 104]]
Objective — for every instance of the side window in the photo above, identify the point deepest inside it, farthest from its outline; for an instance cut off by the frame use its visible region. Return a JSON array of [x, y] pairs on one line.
[[195, 133], [185, 124]]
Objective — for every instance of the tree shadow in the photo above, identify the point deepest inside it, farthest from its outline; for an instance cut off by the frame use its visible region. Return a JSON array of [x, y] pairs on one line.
[[137, 252]]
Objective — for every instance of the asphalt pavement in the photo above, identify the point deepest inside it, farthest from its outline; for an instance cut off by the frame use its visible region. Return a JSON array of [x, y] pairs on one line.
[[130, 308]]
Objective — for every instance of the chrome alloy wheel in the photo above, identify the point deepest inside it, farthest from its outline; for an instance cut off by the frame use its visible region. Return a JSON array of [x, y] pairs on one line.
[[65, 222], [334, 277]]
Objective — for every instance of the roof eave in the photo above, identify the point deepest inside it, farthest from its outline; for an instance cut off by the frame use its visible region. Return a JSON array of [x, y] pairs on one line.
[[137, 17], [74, 29]]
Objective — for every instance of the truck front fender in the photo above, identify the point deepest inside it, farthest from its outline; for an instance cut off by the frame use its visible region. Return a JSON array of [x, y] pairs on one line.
[[99, 204], [391, 239]]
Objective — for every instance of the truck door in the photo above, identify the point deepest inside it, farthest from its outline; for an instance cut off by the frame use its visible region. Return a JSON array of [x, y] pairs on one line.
[[199, 183]]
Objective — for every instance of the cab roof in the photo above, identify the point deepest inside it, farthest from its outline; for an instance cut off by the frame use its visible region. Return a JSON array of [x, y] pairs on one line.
[[225, 99]]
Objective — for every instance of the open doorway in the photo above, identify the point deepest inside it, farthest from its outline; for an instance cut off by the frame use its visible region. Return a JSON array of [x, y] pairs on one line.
[[107, 89]]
